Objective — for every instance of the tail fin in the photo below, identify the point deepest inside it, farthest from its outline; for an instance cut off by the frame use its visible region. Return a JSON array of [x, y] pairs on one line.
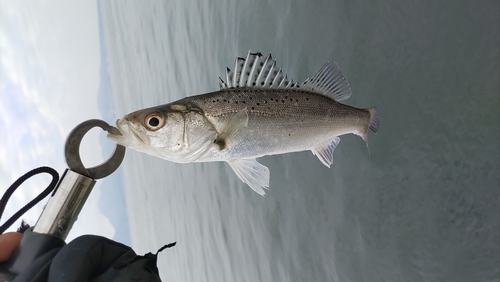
[[373, 125], [374, 121]]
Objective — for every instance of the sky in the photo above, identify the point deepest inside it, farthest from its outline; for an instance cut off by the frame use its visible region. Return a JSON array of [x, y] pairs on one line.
[[49, 80]]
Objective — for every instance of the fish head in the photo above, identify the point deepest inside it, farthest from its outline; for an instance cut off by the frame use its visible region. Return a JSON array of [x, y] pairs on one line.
[[156, 131]]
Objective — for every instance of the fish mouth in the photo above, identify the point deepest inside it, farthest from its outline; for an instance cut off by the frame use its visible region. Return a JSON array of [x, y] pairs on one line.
[[137, 135], [127, 135]]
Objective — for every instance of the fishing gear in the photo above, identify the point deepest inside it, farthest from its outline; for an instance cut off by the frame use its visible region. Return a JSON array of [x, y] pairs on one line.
[[43, 255], [15, 185]]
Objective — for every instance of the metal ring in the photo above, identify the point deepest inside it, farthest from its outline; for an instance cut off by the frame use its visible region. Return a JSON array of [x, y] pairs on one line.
[[72, 151]]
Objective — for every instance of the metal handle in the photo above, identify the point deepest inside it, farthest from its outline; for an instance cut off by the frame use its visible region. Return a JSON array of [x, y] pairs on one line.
[[62, 210]]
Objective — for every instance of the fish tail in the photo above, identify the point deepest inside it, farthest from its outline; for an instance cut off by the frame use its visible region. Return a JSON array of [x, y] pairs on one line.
[[373, 124], [374, 121]]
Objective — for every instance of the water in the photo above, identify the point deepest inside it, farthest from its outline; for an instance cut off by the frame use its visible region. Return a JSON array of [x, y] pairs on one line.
[[423, 207]]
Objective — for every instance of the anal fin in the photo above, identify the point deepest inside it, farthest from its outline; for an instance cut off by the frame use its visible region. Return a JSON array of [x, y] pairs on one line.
[[324, 151], [252, 173]]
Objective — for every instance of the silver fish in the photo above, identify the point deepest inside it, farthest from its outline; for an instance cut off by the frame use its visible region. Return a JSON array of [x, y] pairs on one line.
[[258, 111]]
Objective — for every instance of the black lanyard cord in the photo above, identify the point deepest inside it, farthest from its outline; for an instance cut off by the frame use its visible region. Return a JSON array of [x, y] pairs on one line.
[[15, 185]]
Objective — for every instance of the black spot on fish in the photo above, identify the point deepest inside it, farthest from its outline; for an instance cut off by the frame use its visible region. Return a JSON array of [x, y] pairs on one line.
[[236, 102], [265, 101], [250, 98], [243, 102], [283, 101], [253, 84], [296, 100], [253, 108], [221, 142], [291, 100], [307, 99], [225, 100], [258, 104], [271, 99]]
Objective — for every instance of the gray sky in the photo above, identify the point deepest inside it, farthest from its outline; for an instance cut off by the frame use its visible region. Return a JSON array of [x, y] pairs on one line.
[[49, 78]]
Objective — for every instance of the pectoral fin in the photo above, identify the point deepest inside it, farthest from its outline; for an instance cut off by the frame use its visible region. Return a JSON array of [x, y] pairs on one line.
[[252, 173], [324, 151], [233, 127]]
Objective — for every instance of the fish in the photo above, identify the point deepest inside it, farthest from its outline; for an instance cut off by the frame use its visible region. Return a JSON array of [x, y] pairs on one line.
[[257, 111]]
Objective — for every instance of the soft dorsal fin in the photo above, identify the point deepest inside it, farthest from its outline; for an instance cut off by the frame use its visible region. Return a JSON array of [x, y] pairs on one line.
[[330, 81], [256, 71]]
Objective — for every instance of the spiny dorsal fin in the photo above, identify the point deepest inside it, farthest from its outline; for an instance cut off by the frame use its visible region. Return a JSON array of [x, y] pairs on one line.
[[248, 70], [256, 71], [238, 68]]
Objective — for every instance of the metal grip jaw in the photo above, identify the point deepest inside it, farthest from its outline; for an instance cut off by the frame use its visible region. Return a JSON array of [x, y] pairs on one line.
[[72, 151]]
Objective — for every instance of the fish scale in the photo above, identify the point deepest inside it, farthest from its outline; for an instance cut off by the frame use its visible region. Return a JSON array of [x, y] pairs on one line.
[[257, 112]]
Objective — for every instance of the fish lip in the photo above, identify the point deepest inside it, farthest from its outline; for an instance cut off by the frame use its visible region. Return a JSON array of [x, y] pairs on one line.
[[127, 129], [120, 126]]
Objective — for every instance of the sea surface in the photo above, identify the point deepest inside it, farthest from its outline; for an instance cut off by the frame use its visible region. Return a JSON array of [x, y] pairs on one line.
[[424, 206]]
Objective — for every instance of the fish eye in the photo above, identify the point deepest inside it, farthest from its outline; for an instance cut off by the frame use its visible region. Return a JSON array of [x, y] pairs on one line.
[[154, 121]]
